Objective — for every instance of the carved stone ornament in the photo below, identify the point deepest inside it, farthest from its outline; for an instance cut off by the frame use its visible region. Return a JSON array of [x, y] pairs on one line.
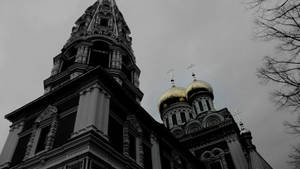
[[49, 112]]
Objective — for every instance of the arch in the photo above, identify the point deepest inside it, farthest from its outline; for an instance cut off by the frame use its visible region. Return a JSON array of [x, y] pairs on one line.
[[206, 155], [212, 119], [217, 151], [192, 126], [49, 112], [177, 131], [213, 154]]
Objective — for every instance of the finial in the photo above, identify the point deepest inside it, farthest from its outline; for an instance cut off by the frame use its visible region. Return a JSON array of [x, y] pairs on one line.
[[171, 72], [193, 74]]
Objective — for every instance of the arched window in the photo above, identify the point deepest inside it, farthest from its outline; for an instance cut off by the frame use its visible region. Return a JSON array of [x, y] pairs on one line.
[[99, 55], [174, 119], [115, 134], [191, 115], [126, 67], [214, 159], [183, 118], [200, 105], [212, 121]]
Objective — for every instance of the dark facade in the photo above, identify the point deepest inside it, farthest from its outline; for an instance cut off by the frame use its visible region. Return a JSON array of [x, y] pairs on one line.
[[90, 115]]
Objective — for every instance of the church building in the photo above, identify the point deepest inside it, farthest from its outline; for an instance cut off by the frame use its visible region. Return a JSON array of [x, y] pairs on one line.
[[90, 115]]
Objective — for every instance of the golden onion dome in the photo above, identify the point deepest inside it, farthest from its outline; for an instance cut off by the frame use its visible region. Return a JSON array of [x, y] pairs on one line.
[[175, 94], [198, 85]]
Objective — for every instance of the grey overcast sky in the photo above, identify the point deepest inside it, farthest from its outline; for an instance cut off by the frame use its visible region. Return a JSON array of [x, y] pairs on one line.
[[215, 35]]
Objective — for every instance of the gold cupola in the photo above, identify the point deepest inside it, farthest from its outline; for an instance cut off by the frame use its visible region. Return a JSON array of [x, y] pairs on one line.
[[171, 96], [199, 87]]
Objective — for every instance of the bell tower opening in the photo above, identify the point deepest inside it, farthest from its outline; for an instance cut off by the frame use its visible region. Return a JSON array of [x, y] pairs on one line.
[[126, 68], [69, 59], [99, 54]]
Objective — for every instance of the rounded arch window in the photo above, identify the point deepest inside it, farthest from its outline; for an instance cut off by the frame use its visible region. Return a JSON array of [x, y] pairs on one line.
[[193, 127], [178, 132], [212, 121]]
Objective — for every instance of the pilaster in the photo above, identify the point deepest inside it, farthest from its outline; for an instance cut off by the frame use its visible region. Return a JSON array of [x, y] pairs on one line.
[[93, 111], [236, 152], [139, 150], [83, 52], [116, 60], [155, 152], [10, 144]]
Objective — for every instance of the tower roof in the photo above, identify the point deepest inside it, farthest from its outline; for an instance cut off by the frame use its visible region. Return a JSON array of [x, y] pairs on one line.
[[103, 18]]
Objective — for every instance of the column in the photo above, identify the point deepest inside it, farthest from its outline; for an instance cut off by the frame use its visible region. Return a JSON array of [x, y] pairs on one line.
[[82, 54], [136, 79], [155, 153], [81, 57], [93, 111], [116, 63], [56, 66], [116, 59], [139, 150], [10, 145], [236, 152]]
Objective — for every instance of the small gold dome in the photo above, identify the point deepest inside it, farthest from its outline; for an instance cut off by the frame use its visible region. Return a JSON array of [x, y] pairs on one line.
[[173, 93], [198, 85]]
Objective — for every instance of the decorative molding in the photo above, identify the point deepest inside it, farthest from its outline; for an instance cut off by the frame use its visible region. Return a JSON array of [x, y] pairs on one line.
[[87, 129], [16, 126], [49, 112], [90, 88]]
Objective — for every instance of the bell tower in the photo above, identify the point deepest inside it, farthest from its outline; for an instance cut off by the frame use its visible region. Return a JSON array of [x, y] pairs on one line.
[[100, 38]]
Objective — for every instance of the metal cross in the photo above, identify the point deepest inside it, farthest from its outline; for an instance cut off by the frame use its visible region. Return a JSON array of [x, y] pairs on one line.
[[191, 67], [171, 73]]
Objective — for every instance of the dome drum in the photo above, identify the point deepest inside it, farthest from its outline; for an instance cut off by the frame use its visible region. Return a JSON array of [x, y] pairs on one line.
[[199, 91], [199, 87]]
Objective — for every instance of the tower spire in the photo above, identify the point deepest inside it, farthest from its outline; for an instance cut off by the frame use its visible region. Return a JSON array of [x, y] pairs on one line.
[[89, 29]]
